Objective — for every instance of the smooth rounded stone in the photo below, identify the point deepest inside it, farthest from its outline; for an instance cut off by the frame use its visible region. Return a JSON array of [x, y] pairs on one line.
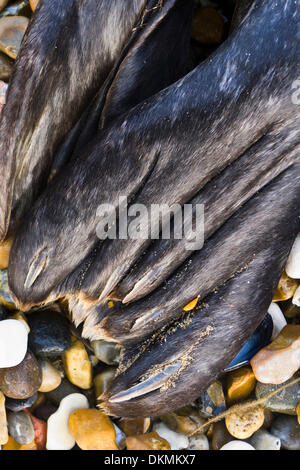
[[278, 361], [109, 353], [260, 338], [23, 380], [49, 333], [177, 441], [134, 426], [17, 8], [220, 435], [20, 427], [5, 295], [287, 429], [13, 343], [58, 434], [291, 311], [33, 4], [243, 423], [296, 297], [12, 29], [198, 441], [240, 384], [285, 401], [78, 367], [103, 380], [3, 3], [208, 26], [51, 378], [45, 410], [285, 289], [237, 445], [120, 437], [150, 441], [92, 430], [21, 317], [6, 67], [293, 263], [279, 321], [63, 390], [212, 401], [6, 245], [3, 421], [263, 440], [40, 431], [19, 405], [185, 421]]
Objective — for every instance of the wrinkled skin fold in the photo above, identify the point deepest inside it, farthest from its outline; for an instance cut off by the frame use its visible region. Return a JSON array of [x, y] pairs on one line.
[[209, 124]]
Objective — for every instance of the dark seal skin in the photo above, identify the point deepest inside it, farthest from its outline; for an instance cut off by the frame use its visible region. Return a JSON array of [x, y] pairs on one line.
[[174, 144], [67, 54], [241, 239], [196, 348]]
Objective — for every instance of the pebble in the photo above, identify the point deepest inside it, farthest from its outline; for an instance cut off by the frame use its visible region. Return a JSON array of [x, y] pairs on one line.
[[13, 343], [285, 401], [260, 338], [78, 367], [92, 430], [14, 445], [150, 441], [51, 377], [296, 297], [242, 424], [198, 441], [212, 401], [6, 245], [134, 426], [109, 353], [103, 380], [40, 431], [23, 380], [6, 67], [5, 295], [58, 434], [278, 361], [279, 321], [220, 435], [3, 422], [45, 410], [63, 390], [49, 333], [186, 420], [12, 29], [20, 427], [293, 264], [208, 26], [285, 289], [263, 440], [287, 429], [237, 445], [19, 405], [240, 384], [291, 311], [177, 441]]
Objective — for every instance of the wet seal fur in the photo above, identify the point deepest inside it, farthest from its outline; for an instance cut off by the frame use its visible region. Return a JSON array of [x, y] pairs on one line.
[[190, 132]]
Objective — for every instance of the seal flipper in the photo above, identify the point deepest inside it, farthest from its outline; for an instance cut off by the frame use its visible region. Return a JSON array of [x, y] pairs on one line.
[[54, 73], [249, 100], [201, 344], [240, 240], [141, 71]]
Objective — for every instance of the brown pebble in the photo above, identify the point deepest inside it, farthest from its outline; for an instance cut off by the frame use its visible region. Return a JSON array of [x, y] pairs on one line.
[[220, 436], [23, 380], [150, 441], [12, 29], [134, 426], [241, 424]]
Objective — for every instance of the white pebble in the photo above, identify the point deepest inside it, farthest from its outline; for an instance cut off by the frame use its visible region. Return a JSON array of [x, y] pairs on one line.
[[58, 434], [237, 445], [278, 318], [13, 342], [293, 264], [296, 298], [177, 441]]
